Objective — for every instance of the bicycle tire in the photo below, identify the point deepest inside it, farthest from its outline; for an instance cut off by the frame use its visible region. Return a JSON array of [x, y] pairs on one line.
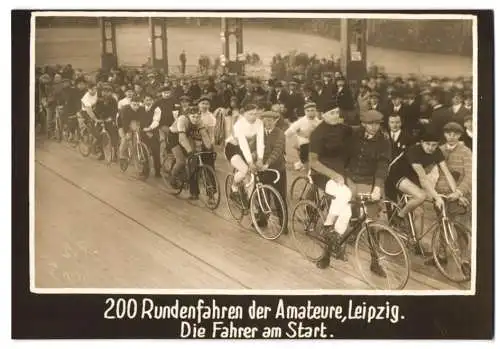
[[166, 168], [236, 209], [361, 255], [253, 212], [84, 146], [142, 161], [299, 188], [465, 233], [107, 147], [203, 173], [58, 130], [312, 222]]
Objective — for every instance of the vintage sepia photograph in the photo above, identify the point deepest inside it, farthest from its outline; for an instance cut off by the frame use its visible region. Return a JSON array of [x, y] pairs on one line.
[[253, 153]]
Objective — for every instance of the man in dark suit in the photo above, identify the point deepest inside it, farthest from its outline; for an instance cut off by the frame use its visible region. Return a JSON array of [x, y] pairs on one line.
[[324, 100], [412, 112], [344, 100], [457, 109], [396, 107], [294, 102], [375, 103], [400, 139], [440, 115], [274, 156]]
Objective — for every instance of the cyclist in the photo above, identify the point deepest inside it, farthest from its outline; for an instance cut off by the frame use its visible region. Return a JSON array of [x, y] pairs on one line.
[[106, 107], [207, 117], [150, 124], [369, 154], [132, 113], [129, 93], [303, 128], [187, 135], [328, 150], [88, 103], [415, 173], [245, 148]]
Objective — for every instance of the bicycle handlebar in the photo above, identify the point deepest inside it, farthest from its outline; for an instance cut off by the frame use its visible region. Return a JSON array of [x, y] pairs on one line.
[[276, 172]]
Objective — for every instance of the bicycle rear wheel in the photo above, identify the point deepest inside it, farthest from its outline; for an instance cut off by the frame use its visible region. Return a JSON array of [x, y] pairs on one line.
[[267, 210], [307, 223], [452, 258], [84, 146], [208, 186], [379, 269], [299, 189], [236, 208]]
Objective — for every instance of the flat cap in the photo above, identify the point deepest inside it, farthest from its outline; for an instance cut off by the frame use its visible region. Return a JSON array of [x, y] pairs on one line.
[[371, 117], [204, 98], [309, 105], [453, 127], [269, 114]]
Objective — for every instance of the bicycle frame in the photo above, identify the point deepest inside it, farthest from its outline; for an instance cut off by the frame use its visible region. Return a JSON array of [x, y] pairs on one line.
[[255, 178]]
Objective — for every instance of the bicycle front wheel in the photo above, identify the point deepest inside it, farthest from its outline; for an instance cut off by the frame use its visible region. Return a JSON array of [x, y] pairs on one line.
[[451, 251], [307, 223], [142, 161], [208, 186], [381, 270], [58, 130], [236, 207], [268, 212], [107, 147], [299, 189], [85, 142]]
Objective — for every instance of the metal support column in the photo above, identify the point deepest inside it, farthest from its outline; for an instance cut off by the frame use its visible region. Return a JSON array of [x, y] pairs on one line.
[[353, 48], [232, 26], [158, 43], [109, 57]]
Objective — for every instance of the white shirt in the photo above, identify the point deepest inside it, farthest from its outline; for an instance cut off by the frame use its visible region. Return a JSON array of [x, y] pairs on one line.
[[123, 102], [395, 135], [397, 108], [156, 117], [249, 137], [303, 128], [208, 119], [456, 108], [88, 100]]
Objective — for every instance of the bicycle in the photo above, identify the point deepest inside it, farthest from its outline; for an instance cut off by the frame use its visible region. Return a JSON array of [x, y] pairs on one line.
[[204, 175], [259, 204], [299, 188], [138, 153], [90, 145], [308, 218], [447, 235]]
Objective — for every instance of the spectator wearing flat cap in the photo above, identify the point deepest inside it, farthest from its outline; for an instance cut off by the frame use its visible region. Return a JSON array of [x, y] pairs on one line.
[[369, 156], [468, 134], [457, 109], [459, 161]]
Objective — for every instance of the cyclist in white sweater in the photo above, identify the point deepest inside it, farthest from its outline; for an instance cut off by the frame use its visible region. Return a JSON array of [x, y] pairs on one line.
[[245, 147], [303, 128]]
